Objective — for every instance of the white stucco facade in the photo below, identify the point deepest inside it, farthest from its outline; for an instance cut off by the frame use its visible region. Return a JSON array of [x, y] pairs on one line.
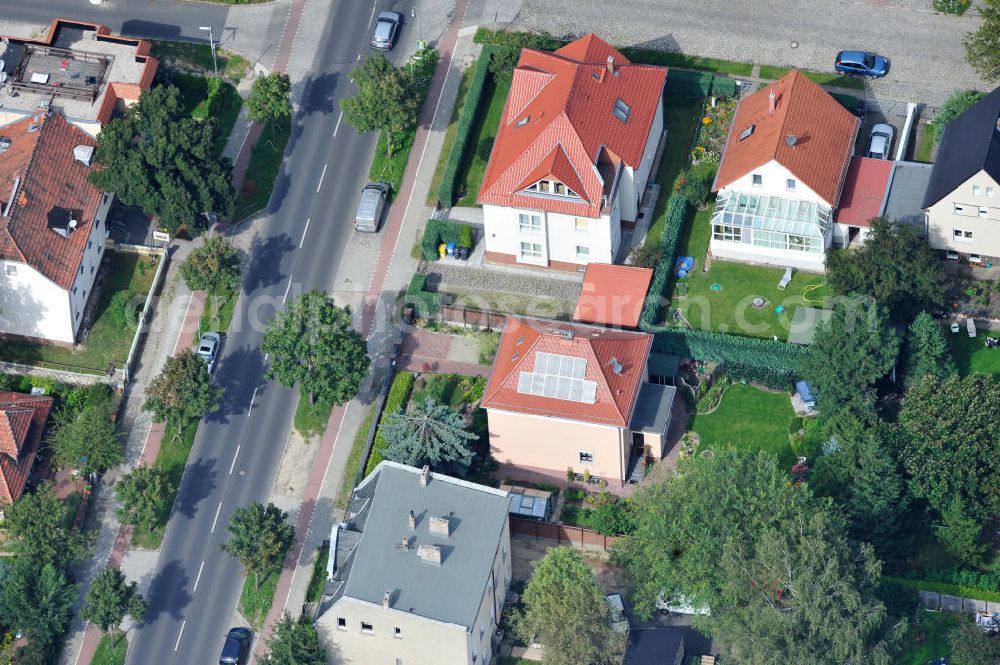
[[967, 221], [32, 305], [634, 180], [549, 237], [774, 181]]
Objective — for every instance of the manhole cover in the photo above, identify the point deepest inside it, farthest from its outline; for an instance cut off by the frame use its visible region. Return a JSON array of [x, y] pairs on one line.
[[794, 44]]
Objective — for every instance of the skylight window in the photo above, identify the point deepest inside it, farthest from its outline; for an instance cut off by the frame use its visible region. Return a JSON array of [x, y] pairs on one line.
[[621, 110], [747, 133], [523, 121]]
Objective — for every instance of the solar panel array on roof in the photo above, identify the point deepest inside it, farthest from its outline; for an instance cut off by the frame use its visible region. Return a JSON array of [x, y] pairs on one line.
[[559, 377]]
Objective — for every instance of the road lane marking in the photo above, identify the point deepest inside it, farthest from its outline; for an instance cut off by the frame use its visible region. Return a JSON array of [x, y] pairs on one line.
[[358, 59], [233, 465], [337, 128], [301, 242], [374, 7], [217, 511], [178, 642], [197, 579], [287, 289], [252, 398], [321, 176]]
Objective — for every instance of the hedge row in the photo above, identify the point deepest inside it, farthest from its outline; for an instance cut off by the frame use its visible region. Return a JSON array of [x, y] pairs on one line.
[[659, 288], [466, 121], [438, 231], [942, 587], [395, 401], [701, 83], [764, 355], [539, 41], [778, 379], [965, 578], [424, 302]]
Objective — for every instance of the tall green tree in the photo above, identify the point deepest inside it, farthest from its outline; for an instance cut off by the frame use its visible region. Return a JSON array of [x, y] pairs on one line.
[[313, 345], [270, 97], [386, 99], [565, 610], [954, 106], [927, 350], [37, 600], [159, 158], [895, 266], [182, 392], [143, 493], [982, 47], [971, 646], [429, 433], [88, 440], [848, 355], [39, 529], [801, 593], [213, 267], [951, 439], [960, 532], [261, 537], [110, 599], [294, 643]]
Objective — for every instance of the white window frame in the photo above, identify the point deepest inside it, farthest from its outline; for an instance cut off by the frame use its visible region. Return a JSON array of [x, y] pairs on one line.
[[581, 224], [989, 192], [975, 190], [756, 179], [789, 184], [585, 254], [342, 623], [397, 633], [585, 456], [959, 208], [530, 253], [527, 223], [12, 271], [961, 235], [370, 630], [984, 212]]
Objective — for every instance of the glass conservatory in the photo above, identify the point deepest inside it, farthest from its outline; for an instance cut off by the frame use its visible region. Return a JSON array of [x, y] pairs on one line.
[[771, 222]]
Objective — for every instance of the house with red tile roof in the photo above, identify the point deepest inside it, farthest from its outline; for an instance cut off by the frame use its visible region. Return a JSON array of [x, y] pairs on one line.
[[574, 151], [52, 227], [613, 295], [22, 421], [781, 175], [864, 198], [78, 69], [574, 396]]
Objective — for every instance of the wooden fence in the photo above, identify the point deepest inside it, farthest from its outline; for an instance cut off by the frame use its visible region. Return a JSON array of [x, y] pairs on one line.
[[472, 317], [560, 533]]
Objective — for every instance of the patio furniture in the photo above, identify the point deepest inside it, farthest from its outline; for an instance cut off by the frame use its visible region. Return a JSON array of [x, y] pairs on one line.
[[955, 327], [993, 342], [785, 279], [970, 325]]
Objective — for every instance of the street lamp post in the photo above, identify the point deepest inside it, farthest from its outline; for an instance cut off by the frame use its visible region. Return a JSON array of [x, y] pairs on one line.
[[211, 45]]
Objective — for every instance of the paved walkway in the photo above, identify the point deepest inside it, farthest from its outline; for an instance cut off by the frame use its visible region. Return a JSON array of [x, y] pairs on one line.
[[440, 352]]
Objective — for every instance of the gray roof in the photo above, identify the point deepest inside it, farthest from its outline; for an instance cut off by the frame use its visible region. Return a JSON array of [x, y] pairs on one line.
[[908, 184], [450, 591], [804, 322], [663, 364], [970, 144], [652, 408], [654, 646]]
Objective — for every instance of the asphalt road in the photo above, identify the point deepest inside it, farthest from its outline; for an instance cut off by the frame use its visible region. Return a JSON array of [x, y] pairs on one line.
[[196, 587], [154, 19]]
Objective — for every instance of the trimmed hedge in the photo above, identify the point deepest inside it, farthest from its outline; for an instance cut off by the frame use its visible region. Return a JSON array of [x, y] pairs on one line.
[[473, 104], [438, 231], [767, 376], [424, 302], [663, 274], [969, 579], [395, 401], [764, 356], [943, 587], [701, 84], [539, 41]]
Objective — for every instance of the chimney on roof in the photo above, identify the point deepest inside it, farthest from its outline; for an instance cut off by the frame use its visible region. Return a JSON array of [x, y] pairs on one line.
[[429, 553], [441, 526], [611, 64], [405, 543], [386, 599], [412, 520], [771, 102], [425, 475]]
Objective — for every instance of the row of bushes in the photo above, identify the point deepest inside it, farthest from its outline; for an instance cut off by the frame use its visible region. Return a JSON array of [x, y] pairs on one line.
[[701, 83], [425, 302], [965, 578], [395, 401], [438, 231], [779, 379], [943, 587], [662, 282], [740, 354], [473, 103]]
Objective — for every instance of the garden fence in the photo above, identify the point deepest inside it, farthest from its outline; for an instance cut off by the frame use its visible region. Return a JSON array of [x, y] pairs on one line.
[[147, 307], [561, 533]]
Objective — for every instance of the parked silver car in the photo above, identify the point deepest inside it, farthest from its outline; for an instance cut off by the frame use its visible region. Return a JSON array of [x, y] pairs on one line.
[[370, 207], [208, 348], [881, 141]]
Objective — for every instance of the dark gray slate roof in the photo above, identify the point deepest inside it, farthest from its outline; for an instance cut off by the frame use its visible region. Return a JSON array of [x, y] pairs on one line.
[[654, 646], [652, 409], [971, 142], [449, 591], [663, 364], [906, 192]]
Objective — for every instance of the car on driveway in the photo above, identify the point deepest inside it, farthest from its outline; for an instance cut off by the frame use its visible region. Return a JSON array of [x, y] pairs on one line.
[[387, 30], [237, 646], [208, 348], [881, 141], [861, 63]]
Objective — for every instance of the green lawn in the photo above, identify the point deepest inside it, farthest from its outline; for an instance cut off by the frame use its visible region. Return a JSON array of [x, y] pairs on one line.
[[265, 164], [971, 355], [218, 314], [683, 61], [255, 602], [231, 66], [484, 131], [224, 106], [771, 72], [449, 137], [172, 459], [928, 639], [110, 655], [748, 418], [354, 459], [106, 342], [576, 514], [729, 309], [310, 419], [925, 148], [318, 579]]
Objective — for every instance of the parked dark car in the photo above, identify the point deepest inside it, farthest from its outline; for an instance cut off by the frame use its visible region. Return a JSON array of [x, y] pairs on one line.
[[862, 63], [386, 30], [237, 646]]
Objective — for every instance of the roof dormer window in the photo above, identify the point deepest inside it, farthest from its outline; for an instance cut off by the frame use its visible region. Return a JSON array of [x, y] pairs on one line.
[[552, 187], [621, 110]]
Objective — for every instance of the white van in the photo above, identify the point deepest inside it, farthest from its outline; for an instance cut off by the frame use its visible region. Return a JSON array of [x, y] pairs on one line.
[[371, 206]]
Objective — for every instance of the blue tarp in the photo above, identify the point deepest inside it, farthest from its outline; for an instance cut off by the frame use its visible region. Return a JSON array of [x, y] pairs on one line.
[[683, 266], [806, 393]]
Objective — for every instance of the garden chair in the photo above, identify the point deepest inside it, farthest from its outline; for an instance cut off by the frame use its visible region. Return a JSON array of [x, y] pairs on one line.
[[785, 279]]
